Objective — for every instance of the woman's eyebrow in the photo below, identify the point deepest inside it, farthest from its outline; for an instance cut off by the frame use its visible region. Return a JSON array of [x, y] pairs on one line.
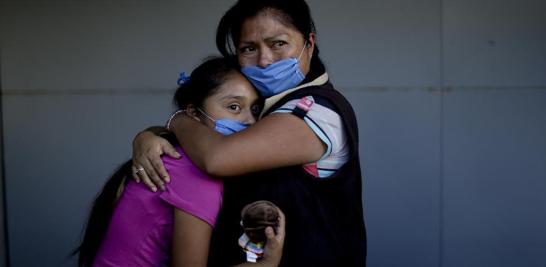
[[267, 39], [242, 43], [276, 37]]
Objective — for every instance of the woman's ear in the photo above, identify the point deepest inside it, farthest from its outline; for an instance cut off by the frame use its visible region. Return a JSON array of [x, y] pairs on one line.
[[311, 44], [192, 112]]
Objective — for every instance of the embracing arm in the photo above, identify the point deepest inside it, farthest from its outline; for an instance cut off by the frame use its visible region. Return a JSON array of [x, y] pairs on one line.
[[278, 140], [157, 130]]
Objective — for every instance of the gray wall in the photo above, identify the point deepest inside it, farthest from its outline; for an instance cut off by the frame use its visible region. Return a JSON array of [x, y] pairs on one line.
[[450, 97], [3, 227], [3, 218]]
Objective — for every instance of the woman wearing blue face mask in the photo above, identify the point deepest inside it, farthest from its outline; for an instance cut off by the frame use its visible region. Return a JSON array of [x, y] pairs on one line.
[[303, 153], [131, 226]]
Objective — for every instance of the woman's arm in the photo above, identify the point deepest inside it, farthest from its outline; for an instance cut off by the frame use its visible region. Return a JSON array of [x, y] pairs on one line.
[[278, 140], [191, 238]]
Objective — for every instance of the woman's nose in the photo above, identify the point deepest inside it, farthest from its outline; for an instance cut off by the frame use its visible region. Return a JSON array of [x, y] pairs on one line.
[[265, 58]]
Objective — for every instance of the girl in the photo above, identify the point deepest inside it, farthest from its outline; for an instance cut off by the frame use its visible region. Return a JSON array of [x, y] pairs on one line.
[[132, 226]]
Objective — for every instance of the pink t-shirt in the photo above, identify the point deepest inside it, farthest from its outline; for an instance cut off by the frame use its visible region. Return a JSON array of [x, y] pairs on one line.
[[141, 228]]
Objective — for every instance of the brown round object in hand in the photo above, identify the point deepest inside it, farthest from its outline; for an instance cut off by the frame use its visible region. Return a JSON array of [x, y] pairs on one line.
[[256, 216]]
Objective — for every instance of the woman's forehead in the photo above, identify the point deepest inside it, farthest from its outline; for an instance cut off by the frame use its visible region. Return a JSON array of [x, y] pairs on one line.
[[264, 27]]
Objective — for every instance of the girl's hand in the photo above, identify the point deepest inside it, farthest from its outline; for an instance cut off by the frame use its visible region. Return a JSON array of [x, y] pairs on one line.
[[147, 164]]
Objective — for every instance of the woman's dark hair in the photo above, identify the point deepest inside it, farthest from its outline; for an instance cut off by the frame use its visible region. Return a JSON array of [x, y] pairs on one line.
[[203, 82], [293, 13]]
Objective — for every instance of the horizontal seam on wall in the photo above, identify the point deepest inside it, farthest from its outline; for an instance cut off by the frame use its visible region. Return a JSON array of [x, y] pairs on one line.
[[378, 89], [437, 88], [39, 92]]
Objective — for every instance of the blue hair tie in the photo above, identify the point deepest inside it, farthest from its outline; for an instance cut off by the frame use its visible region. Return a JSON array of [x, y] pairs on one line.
[[182, 79]]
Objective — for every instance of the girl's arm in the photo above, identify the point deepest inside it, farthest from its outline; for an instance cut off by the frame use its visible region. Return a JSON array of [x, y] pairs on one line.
[[277, 140], [191, 238]]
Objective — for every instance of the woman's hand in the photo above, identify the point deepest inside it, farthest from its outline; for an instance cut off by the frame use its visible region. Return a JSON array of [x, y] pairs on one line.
[[273, 246], [147, 164], [275, 243]]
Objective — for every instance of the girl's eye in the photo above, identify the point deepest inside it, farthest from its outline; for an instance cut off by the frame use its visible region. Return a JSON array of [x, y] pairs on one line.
[[255, 109], [234, 107]]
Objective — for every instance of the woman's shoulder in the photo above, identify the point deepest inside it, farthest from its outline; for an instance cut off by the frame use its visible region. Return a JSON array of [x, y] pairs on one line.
[[324, 94]]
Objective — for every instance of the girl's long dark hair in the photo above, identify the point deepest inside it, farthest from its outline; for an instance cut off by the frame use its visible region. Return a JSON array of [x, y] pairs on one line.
[[101, 213], [203, 82]]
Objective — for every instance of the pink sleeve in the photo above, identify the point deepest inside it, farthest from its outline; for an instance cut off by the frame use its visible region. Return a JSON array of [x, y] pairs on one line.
[[191, 190]]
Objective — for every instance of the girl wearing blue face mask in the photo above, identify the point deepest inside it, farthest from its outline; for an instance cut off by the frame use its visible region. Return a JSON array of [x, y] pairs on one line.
[[303, 153], [131, 226]]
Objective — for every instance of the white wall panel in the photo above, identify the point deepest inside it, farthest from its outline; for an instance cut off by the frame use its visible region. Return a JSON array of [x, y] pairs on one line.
[[366, 42], [400, 153], [495, 43], [59, 151], [495, 178], [85, 46]]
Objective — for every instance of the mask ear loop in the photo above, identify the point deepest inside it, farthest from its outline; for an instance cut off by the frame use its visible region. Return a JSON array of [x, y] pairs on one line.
[[206, 115], [301, 53]]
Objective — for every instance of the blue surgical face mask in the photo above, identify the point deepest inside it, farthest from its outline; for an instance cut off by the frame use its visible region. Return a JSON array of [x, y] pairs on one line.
[[226, 126], [277, 77]]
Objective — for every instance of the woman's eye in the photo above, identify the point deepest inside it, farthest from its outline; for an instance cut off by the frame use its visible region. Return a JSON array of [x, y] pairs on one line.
[[279, 44], [246, 49]]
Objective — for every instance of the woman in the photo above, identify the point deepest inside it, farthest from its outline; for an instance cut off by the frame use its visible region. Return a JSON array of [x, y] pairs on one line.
[[302, 155], [131, 226]]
